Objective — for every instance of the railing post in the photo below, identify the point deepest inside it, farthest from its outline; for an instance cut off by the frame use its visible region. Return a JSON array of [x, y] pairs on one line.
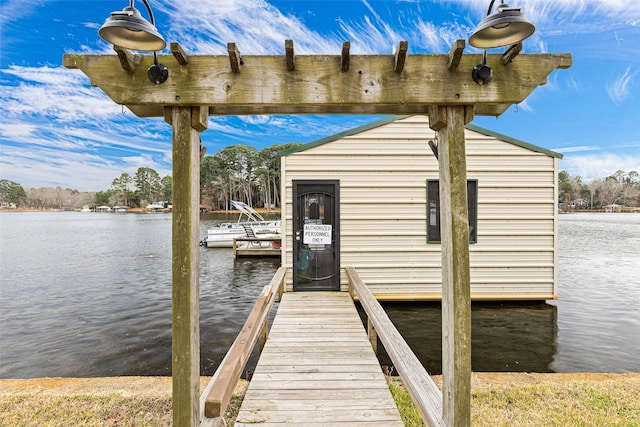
[[373, 335], [264, 334]]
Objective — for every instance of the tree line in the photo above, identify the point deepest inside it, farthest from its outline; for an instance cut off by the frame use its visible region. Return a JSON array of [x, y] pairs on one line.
[[243, 173], [621, 188], [237, 172]]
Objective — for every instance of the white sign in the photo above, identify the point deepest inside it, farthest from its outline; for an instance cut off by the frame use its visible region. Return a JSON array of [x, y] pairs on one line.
[[317, 234]]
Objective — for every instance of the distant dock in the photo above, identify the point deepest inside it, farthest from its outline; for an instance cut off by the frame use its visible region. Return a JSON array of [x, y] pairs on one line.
[[256, 247]]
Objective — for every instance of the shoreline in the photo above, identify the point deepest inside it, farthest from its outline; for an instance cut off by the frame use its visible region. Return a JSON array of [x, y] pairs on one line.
[[498, 398], [154, 385]]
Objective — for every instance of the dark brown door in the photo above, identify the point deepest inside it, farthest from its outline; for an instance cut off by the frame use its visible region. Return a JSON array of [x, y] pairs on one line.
[[316, 233]]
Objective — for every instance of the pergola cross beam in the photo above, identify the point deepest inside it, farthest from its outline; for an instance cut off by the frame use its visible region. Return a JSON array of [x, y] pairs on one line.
[[317, 84]]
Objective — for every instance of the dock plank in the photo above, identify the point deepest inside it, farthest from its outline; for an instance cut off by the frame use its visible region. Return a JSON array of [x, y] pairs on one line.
[[318, 369]]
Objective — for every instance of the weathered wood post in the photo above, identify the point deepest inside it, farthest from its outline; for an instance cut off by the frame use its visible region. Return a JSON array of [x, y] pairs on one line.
[[185, 360], [449, 122]]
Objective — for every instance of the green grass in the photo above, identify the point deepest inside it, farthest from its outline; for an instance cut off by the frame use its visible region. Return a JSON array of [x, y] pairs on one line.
[[83, 410], [575, 403], [408, 411]]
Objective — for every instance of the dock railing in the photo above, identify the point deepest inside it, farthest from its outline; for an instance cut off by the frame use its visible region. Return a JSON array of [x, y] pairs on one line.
[[217, 394], [423, 391]]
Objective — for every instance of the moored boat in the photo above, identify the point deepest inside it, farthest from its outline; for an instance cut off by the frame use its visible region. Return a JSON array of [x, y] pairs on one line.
[[250, 224]]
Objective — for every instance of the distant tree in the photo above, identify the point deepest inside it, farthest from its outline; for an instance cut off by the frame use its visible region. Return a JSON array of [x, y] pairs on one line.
[[11, 192], [594, 191], [122, 187], [238, 164], [634, 182], [166, 188], [147, 182], [565, 188], [269, 173], [210, 172], [103, 198], [210, 169], [610, 191]]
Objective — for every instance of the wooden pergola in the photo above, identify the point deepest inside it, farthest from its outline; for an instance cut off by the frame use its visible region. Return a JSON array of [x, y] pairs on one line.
[[438, 85]]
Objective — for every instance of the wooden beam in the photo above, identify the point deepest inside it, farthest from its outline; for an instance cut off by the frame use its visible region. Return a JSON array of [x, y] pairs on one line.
[[234, 57], [185, 366], [449, 122], [179, 54], [200, 118], [511, 53], [128, 60], [265, 86], [400, 57], [290, 55], [455, 54], [344, 64]]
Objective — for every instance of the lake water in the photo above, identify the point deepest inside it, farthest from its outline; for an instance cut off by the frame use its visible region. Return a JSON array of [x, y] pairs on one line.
[[87, 294]]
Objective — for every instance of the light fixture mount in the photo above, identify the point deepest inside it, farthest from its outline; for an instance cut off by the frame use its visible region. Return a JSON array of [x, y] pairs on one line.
[[482, 73], [157, 73]]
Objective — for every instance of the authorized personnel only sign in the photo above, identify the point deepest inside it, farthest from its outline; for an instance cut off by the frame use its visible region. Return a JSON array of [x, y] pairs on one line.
[[317, 234]]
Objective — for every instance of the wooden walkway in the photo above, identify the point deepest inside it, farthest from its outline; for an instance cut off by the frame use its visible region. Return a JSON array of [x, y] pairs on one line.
[[318, 369]]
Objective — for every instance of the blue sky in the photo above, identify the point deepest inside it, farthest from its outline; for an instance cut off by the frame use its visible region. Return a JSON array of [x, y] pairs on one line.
[[57, 130]]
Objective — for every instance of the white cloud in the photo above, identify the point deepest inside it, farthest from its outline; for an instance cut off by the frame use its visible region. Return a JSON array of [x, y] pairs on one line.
[[13, 10], [620, 89], [256, 26], [256, 120], [53, 92], [16, 130], [576, 149], [44, 167], [599, 166]]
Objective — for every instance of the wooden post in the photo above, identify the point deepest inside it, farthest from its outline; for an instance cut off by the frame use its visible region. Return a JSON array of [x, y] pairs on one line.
[[449, 122], [185, 366], [373, 335], [264, 334]]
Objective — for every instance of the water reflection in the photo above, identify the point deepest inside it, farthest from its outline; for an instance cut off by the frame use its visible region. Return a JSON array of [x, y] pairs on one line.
[[505, 337]]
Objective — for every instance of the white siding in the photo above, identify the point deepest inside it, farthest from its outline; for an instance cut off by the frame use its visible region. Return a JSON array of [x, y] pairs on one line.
[[383, 173]]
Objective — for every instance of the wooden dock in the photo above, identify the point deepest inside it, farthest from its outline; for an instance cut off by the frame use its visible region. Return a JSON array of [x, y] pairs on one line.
[[256, 247], [318, 369]]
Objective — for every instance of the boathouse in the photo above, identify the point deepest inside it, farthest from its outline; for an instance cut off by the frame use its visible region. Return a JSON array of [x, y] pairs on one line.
[[368, 198]]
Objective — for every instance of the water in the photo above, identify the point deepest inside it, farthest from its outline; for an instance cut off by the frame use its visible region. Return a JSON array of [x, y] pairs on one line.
[[89, 294], [599, 293], [85, 294], [594, 326]]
